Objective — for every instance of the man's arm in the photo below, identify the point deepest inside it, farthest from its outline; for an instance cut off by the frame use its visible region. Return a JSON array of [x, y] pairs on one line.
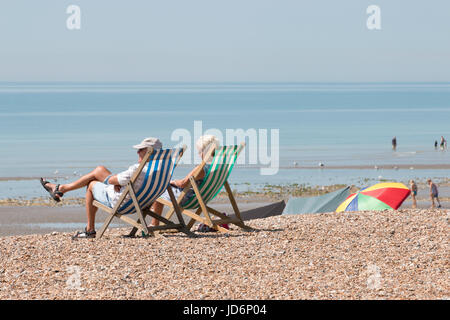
[[113, 180], [121, 179]]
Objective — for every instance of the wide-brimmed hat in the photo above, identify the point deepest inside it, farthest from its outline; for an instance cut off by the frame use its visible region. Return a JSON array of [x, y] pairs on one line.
[[155, 143]]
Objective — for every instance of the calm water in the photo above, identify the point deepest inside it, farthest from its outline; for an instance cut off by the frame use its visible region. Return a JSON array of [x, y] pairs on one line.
[[67, 129]]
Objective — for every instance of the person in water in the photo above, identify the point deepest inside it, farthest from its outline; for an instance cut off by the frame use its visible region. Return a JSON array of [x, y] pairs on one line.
[[394, 143], [443, 143]]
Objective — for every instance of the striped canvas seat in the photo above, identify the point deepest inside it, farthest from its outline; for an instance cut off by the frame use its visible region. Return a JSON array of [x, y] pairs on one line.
[[157, 178], [221, 166], [223, 161], [159, 166]]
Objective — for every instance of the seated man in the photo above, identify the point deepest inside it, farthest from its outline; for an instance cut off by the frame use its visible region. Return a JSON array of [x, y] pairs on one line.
[[103, 186]]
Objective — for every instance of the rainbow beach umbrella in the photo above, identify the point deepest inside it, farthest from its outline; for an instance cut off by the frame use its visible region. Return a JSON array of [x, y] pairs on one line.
[[382, 196]]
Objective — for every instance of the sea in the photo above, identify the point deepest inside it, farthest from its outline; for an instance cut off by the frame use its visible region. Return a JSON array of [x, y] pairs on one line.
[[312, 134]]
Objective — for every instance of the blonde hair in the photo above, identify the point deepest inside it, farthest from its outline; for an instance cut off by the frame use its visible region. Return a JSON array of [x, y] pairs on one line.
[[204, 143]]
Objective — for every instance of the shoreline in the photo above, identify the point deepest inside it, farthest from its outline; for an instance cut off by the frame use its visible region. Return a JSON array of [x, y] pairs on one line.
[[379, 167], [23, 218], [268, 193], [443, 166]]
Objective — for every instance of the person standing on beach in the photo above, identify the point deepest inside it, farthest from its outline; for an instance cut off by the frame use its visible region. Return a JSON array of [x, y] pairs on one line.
[[102, 186], [434, 193], [394, 143], [413, 188]]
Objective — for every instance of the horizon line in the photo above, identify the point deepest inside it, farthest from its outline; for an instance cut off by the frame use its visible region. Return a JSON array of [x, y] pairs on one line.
[[213, 82]]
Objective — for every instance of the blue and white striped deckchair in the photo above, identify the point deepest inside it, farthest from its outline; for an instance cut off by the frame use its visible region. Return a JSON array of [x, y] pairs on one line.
[[159, 166], [215, 179]]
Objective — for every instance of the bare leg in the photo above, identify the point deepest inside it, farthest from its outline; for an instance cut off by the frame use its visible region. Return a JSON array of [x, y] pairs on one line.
[[98, 174], [91, 210], [414, 202], [156, 208], [439, 203]]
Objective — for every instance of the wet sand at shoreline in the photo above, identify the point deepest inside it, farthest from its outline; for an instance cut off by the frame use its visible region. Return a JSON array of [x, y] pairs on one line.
[[22, 220], [42, 219]]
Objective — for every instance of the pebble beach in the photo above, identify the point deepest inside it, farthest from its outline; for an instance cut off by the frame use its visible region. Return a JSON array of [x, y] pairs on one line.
[[353, 255]]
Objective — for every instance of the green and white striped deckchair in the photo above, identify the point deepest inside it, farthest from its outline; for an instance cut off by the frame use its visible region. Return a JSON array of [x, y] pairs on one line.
[[215, 179], [159, 166]]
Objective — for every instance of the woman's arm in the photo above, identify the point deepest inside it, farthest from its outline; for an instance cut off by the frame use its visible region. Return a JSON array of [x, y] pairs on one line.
[[182, 183]]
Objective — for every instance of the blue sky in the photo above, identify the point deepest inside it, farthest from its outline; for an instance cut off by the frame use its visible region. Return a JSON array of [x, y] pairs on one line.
[[225, 40]]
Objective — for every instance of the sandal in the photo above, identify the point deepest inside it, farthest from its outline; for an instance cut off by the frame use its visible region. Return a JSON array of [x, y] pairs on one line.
[[52, 193], [84, 234]]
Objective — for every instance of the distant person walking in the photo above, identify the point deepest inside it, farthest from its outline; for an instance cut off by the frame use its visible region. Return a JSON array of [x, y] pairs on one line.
[[435, 144], [394, 143], [443, 143], [434, 193], [413, 188]]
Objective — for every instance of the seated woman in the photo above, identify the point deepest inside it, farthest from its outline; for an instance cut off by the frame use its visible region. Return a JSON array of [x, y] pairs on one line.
[[203, 145], [102, 186]]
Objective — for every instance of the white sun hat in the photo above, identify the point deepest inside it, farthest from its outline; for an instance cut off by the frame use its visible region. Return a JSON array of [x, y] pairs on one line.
[[155, 143]]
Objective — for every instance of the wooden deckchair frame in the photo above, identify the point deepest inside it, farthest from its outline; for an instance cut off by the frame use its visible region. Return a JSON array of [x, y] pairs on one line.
[[140, 224], [203, 207]]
